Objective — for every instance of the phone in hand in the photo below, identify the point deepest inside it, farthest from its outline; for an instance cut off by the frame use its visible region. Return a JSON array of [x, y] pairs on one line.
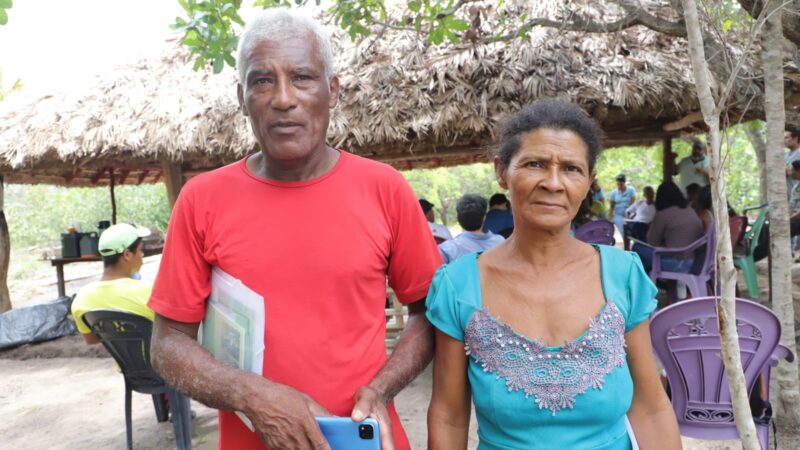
[[344, 434]]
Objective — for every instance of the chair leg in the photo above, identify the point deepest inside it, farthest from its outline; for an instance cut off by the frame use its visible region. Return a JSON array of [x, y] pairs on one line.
[[128, 426], [763, 436], [750, 276], [181, 419], [162, 411]]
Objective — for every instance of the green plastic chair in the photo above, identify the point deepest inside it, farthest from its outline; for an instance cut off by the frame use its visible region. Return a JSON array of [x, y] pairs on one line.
[[745, 260]]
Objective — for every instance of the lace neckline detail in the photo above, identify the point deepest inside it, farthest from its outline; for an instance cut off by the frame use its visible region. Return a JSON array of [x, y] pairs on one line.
[[554, 376]]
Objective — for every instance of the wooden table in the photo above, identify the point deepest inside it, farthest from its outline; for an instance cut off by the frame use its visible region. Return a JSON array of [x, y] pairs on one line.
[[59, 264]]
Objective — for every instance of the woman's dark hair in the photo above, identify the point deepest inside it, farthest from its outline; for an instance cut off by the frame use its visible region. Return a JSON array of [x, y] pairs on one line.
[[669, 194], [704, 197], [112, 260], [553, 115]]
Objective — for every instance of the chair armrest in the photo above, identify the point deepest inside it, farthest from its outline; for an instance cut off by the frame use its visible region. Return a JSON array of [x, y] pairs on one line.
[[780, 352], [637, 241], [752, 208]]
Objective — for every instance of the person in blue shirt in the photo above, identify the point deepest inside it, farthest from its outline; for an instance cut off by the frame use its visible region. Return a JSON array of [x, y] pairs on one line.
[[621, 198], [546, 335], [499, 219], [471, 214]]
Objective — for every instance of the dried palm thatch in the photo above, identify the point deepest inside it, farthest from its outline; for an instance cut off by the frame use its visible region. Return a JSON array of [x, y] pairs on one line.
[[402, 101]]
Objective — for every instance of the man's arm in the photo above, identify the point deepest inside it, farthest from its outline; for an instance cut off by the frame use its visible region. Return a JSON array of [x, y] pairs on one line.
[[90, 338], [413, 352], [282, 417]]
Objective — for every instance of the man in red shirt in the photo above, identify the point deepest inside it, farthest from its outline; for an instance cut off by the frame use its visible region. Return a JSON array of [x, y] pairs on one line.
[[314, 230]]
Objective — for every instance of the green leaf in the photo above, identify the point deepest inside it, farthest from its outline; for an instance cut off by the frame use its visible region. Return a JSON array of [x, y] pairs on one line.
[[230, 59], [199, 63], [457, 24], [5, 4], [3, 17], [727, 25], [192, 39], [414, 6], [219, 64]]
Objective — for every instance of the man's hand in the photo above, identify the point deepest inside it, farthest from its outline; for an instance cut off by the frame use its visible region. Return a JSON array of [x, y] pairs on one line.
[[371, 403], [284, 418]]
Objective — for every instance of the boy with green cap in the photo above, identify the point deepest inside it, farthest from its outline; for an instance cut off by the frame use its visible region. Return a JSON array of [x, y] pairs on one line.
[[123, 252]]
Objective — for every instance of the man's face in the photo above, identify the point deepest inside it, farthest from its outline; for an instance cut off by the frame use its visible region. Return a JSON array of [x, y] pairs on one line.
[[698, 151], [790, 141], [288, 98], [135, 259]]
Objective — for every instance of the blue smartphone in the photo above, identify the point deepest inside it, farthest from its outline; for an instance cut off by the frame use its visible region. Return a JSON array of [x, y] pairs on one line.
[[344, 434]]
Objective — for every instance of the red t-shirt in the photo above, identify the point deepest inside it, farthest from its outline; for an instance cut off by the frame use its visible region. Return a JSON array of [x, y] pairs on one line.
[[319, 252]]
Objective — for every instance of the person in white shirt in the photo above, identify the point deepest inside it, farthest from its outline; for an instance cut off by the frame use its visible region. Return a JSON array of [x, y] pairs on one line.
[[640, 214], [693, 168], [791, 140], [440, 232]]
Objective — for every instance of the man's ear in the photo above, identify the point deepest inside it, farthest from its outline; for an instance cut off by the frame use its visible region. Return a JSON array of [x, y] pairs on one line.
[[333, 86], [240, 96], [500, 173]]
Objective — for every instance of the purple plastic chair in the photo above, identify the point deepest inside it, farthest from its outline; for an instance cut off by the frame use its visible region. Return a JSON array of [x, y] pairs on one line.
[[697, 279], [596, 232], [686, 339]]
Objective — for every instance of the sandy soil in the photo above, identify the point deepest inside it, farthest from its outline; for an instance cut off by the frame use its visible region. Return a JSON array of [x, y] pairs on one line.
[[64, 394]]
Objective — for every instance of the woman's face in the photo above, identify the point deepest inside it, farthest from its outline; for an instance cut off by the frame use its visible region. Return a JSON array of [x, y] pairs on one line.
[[547, 178]]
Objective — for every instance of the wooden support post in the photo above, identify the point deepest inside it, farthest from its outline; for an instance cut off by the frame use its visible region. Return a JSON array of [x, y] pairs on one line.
[[668, 161], [173, 179], [113, 198], [5, 253]]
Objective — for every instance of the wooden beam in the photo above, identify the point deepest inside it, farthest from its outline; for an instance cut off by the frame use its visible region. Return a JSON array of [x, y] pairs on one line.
[[123, 175], [142, 176], [5, 253], [173, 179], [96, 178]]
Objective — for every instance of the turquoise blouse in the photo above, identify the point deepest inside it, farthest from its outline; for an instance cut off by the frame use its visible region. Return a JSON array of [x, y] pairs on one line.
[[529, 396]]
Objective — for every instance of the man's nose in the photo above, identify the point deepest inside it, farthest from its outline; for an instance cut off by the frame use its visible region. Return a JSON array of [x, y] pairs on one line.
[[285, 95]]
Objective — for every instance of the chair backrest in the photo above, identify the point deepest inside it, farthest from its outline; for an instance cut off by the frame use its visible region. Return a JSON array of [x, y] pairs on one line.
[[127, 337], [737, 226], [596, 232], [706, 253], [686, 339], [751, 236]]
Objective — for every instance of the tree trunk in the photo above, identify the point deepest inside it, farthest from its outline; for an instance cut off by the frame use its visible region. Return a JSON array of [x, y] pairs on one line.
[[760, 147], [727, 308], [5, 253], [788, 403]]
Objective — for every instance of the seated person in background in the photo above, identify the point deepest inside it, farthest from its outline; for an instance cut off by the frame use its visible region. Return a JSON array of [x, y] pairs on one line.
[[598, 203], [499, 219], [703, 207], [123, 253], [692, 191], [674, 226], [640, 214], [440, 232], [693, 169], [471, 212]]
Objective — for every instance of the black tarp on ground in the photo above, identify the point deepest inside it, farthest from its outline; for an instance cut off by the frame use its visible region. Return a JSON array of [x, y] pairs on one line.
[[36, 323]]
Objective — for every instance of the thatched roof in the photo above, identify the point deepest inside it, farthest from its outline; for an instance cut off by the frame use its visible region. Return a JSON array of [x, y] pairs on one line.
[[402, 101]]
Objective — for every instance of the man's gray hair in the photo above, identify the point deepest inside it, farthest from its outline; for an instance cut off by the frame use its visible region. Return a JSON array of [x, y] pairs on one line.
[[277, 24]]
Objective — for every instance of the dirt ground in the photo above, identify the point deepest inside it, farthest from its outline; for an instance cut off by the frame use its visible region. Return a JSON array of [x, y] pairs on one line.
[[63, 394]]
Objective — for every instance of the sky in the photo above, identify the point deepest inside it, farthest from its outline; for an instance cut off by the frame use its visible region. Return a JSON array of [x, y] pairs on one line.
[[59, 46]]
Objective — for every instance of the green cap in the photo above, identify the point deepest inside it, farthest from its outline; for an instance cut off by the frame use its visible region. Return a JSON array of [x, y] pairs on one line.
[[118, 237]]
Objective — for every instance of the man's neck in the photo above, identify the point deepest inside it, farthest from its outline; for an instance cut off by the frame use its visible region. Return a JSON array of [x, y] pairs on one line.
[[315, 165], [478, 232], [115, 273]]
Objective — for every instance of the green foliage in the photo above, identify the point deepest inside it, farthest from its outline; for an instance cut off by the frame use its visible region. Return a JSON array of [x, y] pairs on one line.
[[37, 215], [14, 87], [5, 5], [208, 31], [209, 24], [444, 185]]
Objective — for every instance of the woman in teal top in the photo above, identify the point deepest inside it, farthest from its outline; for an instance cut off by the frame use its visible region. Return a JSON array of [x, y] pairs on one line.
[[547, 335]]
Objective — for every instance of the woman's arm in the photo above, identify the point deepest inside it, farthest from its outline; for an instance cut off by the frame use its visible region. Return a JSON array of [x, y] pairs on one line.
[[651, 414], [448, 413]]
